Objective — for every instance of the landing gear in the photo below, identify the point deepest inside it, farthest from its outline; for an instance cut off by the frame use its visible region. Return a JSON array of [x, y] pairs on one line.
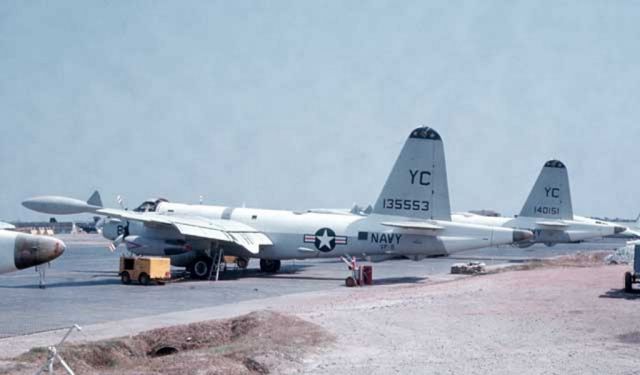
[[269, 265], [201, 268], [242, 263], [42, 283], [628, 282]]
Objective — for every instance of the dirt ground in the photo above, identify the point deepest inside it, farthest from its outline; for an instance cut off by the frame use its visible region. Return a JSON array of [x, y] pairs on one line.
[[563, 316], [257, 343]]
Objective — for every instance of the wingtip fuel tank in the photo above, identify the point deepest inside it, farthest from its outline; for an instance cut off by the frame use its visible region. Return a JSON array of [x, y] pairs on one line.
[[55, 205]]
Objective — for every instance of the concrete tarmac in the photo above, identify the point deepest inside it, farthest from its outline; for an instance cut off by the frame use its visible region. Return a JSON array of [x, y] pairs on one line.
[[83, 286]]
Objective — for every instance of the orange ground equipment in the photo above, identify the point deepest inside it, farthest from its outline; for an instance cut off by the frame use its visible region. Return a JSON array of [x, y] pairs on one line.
[[360, 275]]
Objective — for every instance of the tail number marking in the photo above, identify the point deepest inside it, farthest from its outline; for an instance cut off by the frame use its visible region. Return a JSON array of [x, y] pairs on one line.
[[552, 192], [547, 210], [405, 204], [422, 177]]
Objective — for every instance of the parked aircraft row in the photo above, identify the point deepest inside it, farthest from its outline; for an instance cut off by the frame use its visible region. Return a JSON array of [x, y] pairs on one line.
[[411, 217], [548, 213]]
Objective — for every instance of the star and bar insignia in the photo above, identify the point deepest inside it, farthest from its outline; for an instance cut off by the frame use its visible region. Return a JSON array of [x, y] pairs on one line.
[[325, 239]]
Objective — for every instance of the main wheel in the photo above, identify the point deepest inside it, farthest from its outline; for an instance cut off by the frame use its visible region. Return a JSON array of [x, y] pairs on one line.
[[125, 277], [350, 282], [628, 287], [144, 279], [269, 265], [201, 268], [242, 263]]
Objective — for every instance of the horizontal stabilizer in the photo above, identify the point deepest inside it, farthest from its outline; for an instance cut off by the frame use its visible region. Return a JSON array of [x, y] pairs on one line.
[[552, 224], [412, 225]]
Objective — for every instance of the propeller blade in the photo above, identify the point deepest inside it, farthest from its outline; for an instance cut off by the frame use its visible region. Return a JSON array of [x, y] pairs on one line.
[[120, 202], [114, 245]]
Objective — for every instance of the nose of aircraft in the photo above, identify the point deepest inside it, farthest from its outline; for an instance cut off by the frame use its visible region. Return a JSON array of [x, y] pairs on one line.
[[54, 248], [521, 235], [618, 229], [35, 250]]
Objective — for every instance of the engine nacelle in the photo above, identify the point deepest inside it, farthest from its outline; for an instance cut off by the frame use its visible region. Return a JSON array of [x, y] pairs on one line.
[[19, 250], [141, 245]]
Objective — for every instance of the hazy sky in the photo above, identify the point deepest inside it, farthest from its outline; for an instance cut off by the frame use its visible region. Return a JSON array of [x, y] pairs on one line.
[[306, 104]]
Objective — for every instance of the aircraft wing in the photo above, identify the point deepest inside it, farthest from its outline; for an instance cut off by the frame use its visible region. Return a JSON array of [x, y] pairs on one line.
[[415, 225], [217, 229], [552, 224]]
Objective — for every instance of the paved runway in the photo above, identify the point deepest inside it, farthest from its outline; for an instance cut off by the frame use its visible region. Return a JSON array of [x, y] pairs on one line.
[[84, 288]]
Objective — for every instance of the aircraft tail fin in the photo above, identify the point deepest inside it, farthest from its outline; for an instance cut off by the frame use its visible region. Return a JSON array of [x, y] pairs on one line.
[[95, 200], [417, 186], [551, 194]]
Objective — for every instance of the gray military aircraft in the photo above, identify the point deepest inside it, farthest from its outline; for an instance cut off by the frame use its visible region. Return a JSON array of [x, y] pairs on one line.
[[411, 217], [548, 213]]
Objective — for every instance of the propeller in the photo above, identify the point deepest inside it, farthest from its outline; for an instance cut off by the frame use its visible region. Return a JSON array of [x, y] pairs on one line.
[[120, 239], [99, 223], [115, 243], [120, 201]]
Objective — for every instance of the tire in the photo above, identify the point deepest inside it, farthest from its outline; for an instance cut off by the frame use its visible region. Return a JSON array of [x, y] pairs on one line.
[[201, 268], [125, 278], [350, 282], [628, 282], [242, 263], [269, 265], [144, 279]]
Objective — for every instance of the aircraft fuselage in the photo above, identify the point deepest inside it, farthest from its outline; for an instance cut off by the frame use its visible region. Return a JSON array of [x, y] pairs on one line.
[[299, 235]]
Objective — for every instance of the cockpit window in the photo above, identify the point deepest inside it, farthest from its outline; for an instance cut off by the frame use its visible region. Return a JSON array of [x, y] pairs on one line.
[[148, 206]]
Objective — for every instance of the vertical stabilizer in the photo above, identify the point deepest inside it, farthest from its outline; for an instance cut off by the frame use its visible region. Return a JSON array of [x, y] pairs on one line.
[[551, 195], [417, 186], [95, 199]]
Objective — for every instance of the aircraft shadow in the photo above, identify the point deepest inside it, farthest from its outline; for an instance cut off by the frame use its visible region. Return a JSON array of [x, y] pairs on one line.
[[235, 274], [621, 294], [65, 284], [399, 280], [293, 277], [111, 273]]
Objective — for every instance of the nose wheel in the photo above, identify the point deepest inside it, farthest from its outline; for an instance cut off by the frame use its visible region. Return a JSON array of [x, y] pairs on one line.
[[42, 275]]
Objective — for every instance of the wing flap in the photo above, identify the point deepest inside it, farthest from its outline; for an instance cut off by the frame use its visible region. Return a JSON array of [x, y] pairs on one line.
[[552, 224], [201, 232], [414, 225]]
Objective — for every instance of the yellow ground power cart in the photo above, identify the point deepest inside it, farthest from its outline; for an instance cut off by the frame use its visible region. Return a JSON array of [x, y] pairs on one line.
[[145, 270]]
